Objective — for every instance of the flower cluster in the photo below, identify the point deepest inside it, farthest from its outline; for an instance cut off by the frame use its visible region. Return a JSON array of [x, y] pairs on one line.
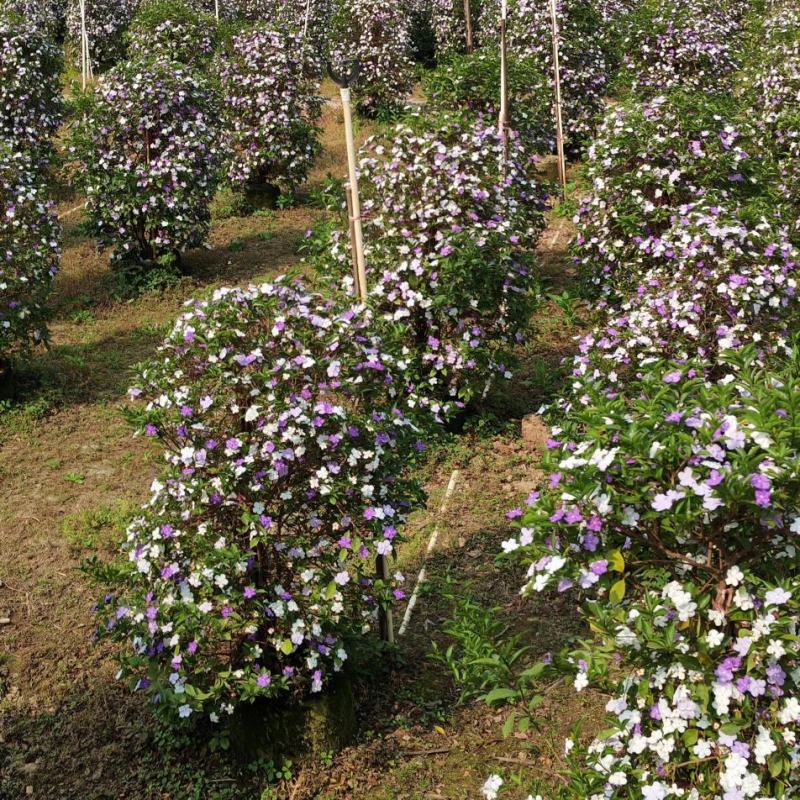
[[48, 16], [269, 109], [30, 92], [148, 156], [711, 714], [373, 38], [449, 223], [449, 26], [173, 30], [287, 445], [29, 252], [651, 160], [583, 68], [678, 44], [776, 86], [470, 84], [698, 475], [713, 281], [106, 22], [308, 18]]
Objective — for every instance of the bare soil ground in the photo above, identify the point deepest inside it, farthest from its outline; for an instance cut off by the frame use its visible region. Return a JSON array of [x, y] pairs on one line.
[[70, 475]]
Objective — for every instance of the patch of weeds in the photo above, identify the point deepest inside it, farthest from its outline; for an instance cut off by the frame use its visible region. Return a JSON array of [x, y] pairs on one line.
[[266, 236], [72, 356], [567, 208], [81, 317], [483, 654], [329, 196], [100, 527], [237, 245], [286, 201], [75, 477], [568, 304], [129, 282], [229, 203], [17, 417]]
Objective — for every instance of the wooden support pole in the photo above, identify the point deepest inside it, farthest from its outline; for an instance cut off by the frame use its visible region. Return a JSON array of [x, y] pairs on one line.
[[216, 9], [562, 163], [468, 24], [308, 16], [348, 190], [385, 619], [358, 234], [503, 120], [84, 46]]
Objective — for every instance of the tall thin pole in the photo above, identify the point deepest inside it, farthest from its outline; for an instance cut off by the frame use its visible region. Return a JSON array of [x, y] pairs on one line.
[[468, 23], [308, 15], [386, 620], [348, 191], [562, 163], [503, 121], [358, 234], [216, 9], [84, 46]]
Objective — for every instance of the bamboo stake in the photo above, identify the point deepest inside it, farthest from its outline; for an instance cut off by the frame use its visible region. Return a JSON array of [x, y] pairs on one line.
[[562, 164], [216, 9], [468, 23], [84, 46], [503, 121], [308, 15], [385, 619], [358, 234], [348, 190]]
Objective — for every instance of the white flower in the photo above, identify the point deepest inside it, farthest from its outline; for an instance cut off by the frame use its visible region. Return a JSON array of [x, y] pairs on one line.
[[734, 577], [492, 787]]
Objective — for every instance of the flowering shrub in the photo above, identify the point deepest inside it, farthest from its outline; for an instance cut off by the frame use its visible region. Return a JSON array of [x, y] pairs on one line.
[[649, 161], [286, 447], [711, 713], [583, 68], [47, 16], [776, 87], [714, 282], [311, 20], [448, 241], [673, 512], [173, 30], [685, 474], [671, 503], [29, 252], [269, 109], [106, 22], [471, 84], [148, 158], [376, 36], [30, 94], [673, 44], [449, 26]]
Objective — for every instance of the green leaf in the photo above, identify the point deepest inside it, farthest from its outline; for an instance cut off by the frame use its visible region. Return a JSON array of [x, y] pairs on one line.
[[616, 562], [617, 593], [508, 725], [499, 694], [730, 728], [775, 764], [286, 646]]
